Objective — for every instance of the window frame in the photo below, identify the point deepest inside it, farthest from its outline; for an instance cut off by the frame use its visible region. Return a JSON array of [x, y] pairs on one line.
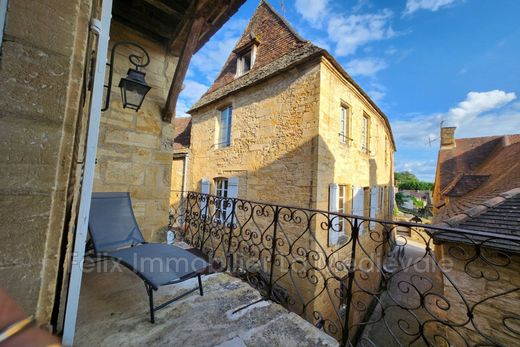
[[342, 207], [247, 51], [224, 140], [365, 133], [221, 193], [344, 123]]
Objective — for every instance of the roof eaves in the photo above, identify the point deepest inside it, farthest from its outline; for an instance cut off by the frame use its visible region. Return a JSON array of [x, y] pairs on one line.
[[479, 209], [303, 54], [358, 87]]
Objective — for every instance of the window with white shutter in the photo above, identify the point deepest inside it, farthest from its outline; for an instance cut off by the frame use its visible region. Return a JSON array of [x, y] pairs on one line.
[[382, 208], [358, 205], [232, 194], [204, 189], [374, 201], [221, 191], [333, 207]]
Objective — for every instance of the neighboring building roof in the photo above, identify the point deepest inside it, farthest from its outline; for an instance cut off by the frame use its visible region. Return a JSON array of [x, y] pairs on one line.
[[480, 179], [182, 133], [280, 48]]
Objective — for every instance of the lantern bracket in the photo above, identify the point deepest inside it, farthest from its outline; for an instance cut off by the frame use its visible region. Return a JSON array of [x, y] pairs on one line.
[[133, 58]]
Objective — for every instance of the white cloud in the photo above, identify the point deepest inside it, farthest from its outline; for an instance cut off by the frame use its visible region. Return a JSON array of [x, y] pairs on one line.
[[480, 114], [312, 11], [365, 67], [376, 92], [423, 169], [207, 63], [350, 33], [430, 5], [192, 91]]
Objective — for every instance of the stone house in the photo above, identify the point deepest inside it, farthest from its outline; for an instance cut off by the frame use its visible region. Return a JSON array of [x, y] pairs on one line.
[[477, 188], [181, 152], [284, 123], [52, 54]]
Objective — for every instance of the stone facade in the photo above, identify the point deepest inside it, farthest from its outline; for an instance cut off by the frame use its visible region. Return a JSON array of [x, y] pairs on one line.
[[284, 138], [285, 149], [135, 148], [41, 74], [271, 149], [485, 281]]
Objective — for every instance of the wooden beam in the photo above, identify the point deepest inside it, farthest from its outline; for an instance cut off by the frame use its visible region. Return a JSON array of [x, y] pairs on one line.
[[165, 8], [188, 50]]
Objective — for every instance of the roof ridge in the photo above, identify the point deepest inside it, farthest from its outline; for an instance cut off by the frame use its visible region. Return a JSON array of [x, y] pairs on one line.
[[479, 209], [297, 52], [284, 20]]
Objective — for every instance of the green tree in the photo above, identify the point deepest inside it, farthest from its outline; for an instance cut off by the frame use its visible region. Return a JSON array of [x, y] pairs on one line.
[[407, 180]]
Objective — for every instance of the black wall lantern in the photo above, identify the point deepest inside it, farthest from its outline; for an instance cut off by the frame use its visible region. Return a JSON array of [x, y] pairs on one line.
[[133, 87]]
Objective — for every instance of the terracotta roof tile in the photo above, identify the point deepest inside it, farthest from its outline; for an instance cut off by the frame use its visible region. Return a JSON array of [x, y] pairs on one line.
[[484, 194], [280, 48], [182, 133]]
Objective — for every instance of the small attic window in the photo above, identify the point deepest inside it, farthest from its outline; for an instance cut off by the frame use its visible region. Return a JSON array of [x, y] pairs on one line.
[[246, 57]]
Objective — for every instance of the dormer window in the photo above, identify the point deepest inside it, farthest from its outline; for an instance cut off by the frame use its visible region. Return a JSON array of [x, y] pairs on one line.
[[246, 56]]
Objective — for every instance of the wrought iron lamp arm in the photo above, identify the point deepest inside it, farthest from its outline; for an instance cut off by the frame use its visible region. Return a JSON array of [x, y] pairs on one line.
[[134, 59]]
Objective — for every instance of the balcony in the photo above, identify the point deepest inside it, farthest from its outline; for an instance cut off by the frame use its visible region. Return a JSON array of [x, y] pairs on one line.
[[378, 287]]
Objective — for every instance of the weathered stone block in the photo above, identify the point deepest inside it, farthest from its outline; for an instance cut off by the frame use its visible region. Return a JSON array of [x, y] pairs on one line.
[[124, 173], [142, 155], [33, 81], [29, 21], [149, 123], [27, 178], [29, 141], [131, 138], [23, 230]]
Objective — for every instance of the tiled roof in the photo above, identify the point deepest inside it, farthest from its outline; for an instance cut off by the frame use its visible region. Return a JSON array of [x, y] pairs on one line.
[[481, 179], [276, 37], [503, 218], [280, 48], [182, 133]]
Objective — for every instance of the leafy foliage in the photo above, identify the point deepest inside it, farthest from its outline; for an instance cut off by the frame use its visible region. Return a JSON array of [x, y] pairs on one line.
[[407, 180]]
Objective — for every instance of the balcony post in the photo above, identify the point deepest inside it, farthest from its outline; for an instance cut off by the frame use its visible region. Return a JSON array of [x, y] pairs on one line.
[[229, 265], [351, 273], [273, 251], [205, 220]]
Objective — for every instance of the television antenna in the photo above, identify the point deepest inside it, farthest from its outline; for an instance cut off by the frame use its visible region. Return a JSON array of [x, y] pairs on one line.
[[431, 140]]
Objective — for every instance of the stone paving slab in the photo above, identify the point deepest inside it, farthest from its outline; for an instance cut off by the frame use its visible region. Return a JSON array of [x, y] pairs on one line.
[[114, 312]]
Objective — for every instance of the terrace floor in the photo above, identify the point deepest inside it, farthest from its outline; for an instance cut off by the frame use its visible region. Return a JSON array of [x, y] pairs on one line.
[[114, 312]]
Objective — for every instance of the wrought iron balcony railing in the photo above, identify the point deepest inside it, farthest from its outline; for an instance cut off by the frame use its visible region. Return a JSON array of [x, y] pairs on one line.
[[384, 283]]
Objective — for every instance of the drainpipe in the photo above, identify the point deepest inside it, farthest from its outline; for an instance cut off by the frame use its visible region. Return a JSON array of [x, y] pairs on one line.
[[102, 29]]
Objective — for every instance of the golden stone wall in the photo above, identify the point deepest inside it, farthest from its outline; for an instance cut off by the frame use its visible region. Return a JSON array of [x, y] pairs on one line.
[[273, 139], [285, 149], [135, 148], [346, 163], [41, 75]]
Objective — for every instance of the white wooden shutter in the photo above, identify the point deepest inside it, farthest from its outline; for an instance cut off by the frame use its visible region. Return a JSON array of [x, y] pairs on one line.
[[204, 189], [333, 207], [358, 204], [374, 202], [204, 186], [232, 193], [383, 214]]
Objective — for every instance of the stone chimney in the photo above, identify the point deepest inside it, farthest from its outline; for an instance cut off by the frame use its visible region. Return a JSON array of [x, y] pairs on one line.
[[448, 137]]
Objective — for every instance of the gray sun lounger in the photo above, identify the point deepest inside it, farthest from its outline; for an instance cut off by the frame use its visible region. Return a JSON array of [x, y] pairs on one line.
[[115, 235]]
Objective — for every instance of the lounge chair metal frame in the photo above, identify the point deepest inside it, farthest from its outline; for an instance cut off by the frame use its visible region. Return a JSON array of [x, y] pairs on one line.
[[137, 240]]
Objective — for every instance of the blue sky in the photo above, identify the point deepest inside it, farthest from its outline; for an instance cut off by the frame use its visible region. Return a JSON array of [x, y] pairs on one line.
[[422, 61]]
